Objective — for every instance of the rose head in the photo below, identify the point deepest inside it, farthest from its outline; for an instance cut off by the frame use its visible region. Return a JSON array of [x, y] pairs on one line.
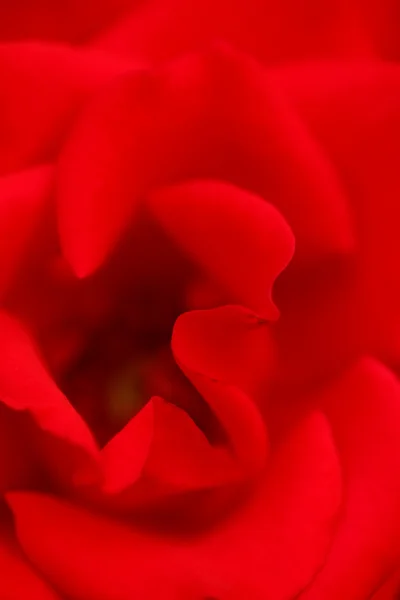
[[199, 298]]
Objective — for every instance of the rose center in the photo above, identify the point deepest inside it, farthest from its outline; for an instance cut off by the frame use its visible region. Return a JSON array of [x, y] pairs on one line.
[[106, 338]]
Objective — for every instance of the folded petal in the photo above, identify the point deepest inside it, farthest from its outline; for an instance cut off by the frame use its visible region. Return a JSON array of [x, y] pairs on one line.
[[69, 21], [235, 410], [240, 241], [229, 343], [253, 139], [64, 439], [157, 462], [271, 546], [124, 456]]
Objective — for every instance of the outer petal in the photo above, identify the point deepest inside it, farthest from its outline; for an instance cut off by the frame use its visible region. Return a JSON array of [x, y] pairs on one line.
[[70, 20], [23, 197], [18, 465], [273, 31], [18, 579], [284, 535], [26, 386], [270, 547], [382, 19], [353, 112], [42, 87], [364, 410], [390, 589]]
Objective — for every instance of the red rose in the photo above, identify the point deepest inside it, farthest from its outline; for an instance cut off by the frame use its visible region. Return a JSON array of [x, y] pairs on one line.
[[199, 300]]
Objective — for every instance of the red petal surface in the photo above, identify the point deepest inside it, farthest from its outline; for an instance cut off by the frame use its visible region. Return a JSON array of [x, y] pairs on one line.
[[272, 547], [390, 589], [238, 126], [42, 87], [273, 31], [181, 456], [67, 20], [18, 464], [125, 455], [354, 113], [364, 411], [345, 307], [229, 343], [235, 410], [18, 579], [25, 385], [23, 197], [240, 241]]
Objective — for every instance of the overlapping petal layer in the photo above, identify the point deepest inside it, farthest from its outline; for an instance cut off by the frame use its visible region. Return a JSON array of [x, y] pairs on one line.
[[196, 108], [43, 85], [209, 133], [295, 507], [364, 411], [18, 578]]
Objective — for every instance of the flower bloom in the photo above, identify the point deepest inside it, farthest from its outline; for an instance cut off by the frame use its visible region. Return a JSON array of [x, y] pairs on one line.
[[199, 300]]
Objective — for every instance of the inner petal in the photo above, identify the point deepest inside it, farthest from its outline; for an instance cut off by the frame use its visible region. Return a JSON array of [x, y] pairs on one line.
[[106, 338]]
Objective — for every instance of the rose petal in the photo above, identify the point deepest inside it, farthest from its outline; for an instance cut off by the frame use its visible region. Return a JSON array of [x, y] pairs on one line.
[[352, 110], [390, 589], [229, 343], [18, 465], [100, 558], [364, 410], [253, 139], [278, 157], [43, 85], [26, 386], [18, 579], [276, 32], [181, 455], [160, 457], [23, 197], [240, 240], [69, 20], [271, 547], [96, 198], [125, 455], [235, 410], [279, 542]]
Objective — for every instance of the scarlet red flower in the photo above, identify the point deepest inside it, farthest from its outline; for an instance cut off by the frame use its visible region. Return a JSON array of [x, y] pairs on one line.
[[199, 297]]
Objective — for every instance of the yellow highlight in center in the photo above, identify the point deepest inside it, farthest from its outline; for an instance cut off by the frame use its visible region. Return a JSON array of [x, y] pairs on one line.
[[124, 394]]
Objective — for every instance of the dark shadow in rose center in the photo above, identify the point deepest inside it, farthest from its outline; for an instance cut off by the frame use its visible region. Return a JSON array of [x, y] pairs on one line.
[[106, 338]]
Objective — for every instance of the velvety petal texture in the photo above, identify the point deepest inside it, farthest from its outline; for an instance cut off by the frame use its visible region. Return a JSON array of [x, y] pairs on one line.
[[238, 239], [18, 578], [199, 300], [353, 111], [364, 409], [43, 85], [245, 556], [23, 199]]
